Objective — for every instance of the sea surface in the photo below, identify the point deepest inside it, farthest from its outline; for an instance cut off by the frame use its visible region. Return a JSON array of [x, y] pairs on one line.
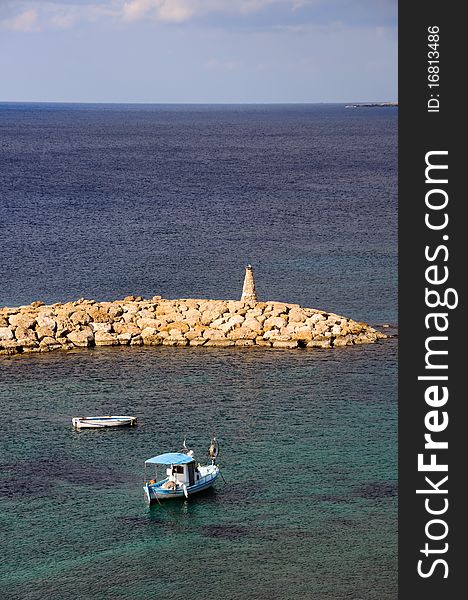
[[103, 201]]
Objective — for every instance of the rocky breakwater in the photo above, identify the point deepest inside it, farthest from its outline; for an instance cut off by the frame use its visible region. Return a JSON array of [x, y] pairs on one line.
[[136, 322]]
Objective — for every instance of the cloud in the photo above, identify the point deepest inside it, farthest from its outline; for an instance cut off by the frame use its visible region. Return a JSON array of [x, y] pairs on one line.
[[25, 21], [34, 15], [63, 21], [174, 11], [39, 15], [177, 11]]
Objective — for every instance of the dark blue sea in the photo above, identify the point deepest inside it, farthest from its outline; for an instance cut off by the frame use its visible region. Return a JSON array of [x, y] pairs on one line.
[[103, 201]]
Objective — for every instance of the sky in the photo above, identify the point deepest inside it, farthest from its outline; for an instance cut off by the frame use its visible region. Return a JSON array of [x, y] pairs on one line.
[[198, 51]]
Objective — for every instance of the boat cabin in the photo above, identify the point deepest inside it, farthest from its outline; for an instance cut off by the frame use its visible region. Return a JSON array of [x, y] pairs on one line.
[[181, 469]]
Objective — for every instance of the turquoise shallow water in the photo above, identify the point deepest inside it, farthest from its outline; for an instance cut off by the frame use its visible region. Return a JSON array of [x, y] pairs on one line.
[[307, 449]]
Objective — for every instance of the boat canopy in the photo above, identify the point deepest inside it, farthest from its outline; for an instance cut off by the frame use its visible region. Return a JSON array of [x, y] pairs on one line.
[[170, 458]]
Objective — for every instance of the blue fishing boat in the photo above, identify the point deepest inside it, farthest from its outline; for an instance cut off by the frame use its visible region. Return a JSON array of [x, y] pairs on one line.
[[184, 476]]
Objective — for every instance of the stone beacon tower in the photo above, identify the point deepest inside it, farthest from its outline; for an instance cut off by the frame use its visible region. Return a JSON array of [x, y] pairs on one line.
[[249, 293]]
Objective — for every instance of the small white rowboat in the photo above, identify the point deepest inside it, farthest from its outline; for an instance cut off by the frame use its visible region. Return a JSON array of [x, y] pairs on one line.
[[100, 422]]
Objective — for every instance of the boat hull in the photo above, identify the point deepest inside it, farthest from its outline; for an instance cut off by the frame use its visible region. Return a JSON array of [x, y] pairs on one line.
[[100, 422]]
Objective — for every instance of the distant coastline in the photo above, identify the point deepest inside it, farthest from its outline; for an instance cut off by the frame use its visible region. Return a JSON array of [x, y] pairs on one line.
[[371, 104]]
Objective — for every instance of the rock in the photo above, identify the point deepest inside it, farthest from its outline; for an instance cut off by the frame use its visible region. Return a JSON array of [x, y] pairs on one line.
[[315, 318], [217, 306], [146, 313], [9, 347], [355, 328], [144, 322], [196, 332], [259, 341], [234, 306], [7, 310], [231, 323], [124, 338], [126, 328], [22, 334], [37, 303], [321, 327], [291, 328], [274, 334], [365, 338], [170, 317], [26, 321], [213, 334], [64, 327], [136, 341], [192, 303], [46, 322], [81, 338], [165, 308], [99, 315], [244, 343], [276, 308], [319, 344], [115, 311], [46, 311], [208, 316], [297, 315], [218, 322], [274, 323], [179, 326], [252, 324], [151, 337], [242, 333], [302, 333], [43, 332], [192, 316], [346, 340], [80, 317], [28, 344], [49, 343], [221, 342], [344, 328], [285, 344], [175, 341], [102, 327], [10, 344], [254, 312], [197, 341], [6, 333], [103, 338], [68, 346]]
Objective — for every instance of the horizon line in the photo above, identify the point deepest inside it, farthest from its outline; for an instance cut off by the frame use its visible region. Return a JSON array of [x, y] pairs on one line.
[[230, 103]]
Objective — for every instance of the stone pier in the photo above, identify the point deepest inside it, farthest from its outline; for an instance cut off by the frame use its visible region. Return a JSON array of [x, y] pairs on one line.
[[135, 321]]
